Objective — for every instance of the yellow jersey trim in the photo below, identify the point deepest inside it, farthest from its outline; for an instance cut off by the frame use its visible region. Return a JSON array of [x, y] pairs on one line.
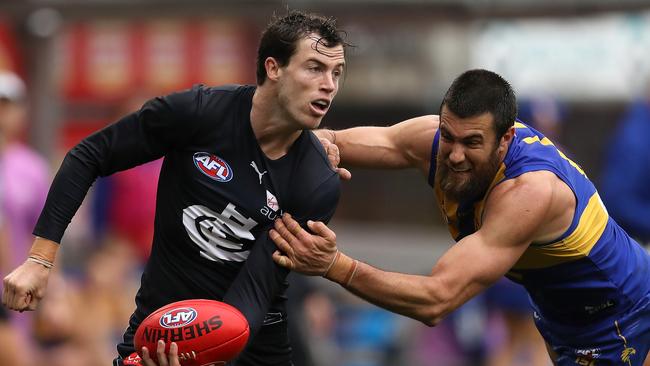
[[577, 245]]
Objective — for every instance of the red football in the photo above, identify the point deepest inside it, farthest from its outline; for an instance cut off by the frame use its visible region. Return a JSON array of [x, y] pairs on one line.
[[207, 332]]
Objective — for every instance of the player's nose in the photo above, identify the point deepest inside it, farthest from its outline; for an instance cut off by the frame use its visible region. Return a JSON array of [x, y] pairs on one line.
[[457, 154]]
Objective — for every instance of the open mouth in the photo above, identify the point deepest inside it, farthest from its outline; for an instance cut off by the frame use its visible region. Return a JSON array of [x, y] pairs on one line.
[[320, 105]]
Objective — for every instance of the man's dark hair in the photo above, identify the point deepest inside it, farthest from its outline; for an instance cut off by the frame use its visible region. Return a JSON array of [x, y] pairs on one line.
[[281, 36], [475, 92]]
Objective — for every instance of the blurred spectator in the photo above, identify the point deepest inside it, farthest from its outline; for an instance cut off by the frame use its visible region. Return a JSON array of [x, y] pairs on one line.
[[545, 114], [24, 173], [124, 203], [367, 335], [24, 179], [312, 314], [78, 323], [626, 174], [12, 349]]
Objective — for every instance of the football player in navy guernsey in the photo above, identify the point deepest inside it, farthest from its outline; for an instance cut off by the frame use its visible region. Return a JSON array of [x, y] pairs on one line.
[[235, 158], [517, 206]]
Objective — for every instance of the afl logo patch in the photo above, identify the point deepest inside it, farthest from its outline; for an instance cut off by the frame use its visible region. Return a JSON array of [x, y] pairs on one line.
[[213, 166], [178, 317]]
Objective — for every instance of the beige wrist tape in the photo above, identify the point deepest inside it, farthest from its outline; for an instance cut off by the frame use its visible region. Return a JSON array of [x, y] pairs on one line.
[[342, 269]]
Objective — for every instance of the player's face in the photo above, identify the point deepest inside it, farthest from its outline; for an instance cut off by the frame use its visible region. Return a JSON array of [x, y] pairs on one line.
[[310, 80], [468, 155]]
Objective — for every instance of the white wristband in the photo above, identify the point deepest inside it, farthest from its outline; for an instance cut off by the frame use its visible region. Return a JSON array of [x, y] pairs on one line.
[[45, 263]]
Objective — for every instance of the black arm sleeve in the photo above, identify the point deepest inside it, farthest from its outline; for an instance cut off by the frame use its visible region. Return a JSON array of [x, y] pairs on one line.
[[260, 280], [161, 125]]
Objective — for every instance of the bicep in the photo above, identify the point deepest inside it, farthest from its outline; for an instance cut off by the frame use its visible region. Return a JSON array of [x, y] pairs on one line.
[[511, 222]]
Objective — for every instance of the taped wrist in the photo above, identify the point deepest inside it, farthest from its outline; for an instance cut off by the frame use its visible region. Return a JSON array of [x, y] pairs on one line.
[[342, 269]]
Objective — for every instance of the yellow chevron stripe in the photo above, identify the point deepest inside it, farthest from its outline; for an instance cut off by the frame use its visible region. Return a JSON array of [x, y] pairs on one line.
[[575, 246]]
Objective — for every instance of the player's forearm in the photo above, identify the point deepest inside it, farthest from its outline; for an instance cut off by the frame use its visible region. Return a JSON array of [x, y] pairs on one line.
[[370, 147], [66, 194], [44, 249], [418, 297]]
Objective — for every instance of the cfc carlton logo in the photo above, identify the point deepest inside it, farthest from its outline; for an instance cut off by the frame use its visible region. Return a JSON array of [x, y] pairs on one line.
[[213, 166], [178, 317]]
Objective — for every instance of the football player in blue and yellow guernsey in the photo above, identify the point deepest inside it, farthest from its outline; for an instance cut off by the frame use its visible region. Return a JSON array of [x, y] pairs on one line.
[[517, 206]]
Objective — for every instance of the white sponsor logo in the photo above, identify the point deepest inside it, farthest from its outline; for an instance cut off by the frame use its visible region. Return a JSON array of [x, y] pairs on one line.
[[219, 235], [258, 171], [272, 202]]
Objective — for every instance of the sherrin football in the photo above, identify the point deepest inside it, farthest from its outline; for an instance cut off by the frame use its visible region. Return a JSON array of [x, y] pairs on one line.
[[207, 332]]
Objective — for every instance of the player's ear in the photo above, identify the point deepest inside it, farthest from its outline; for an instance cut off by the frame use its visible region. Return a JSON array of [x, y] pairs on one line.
[[272, 68], [506, 138]]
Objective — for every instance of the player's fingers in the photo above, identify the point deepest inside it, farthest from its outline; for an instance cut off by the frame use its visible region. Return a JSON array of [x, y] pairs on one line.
[[320, 229], [281, 243], [278, 240], [31, 302], [5, 292], [160, 352], [21, 300], [11, 298], [325, 142], [282, 229], [173, 355], [291, 224], [146, 359], [282, 260], [344, 174], [334, 155]]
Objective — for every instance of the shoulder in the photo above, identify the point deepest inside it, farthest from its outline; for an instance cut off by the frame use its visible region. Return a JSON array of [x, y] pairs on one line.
[[201, 98], [538, 184], [539, 202], [524, 200]]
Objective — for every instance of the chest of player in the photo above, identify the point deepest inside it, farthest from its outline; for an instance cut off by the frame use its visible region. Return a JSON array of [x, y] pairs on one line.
[[223, 197], [233, 180], [462, 220]]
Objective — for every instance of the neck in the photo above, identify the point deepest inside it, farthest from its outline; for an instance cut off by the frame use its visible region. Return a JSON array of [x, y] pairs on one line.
[[270, 124]]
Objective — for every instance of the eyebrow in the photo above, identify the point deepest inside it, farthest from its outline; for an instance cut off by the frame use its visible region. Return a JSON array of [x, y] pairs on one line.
[[473, 136], [312, 59]]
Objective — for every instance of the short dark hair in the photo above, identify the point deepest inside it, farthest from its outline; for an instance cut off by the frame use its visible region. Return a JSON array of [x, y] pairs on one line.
[[281, 36], [477, 91]]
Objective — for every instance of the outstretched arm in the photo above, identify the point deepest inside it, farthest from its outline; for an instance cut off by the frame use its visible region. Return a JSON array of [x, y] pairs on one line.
[[403, 145], [143, 136], [470, 266]]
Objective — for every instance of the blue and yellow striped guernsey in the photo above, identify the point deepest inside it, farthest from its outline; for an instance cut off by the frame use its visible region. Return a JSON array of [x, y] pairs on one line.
[[591, 271]]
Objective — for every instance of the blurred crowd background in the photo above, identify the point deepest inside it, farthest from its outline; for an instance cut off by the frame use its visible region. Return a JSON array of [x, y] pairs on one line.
[[68, 67]]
